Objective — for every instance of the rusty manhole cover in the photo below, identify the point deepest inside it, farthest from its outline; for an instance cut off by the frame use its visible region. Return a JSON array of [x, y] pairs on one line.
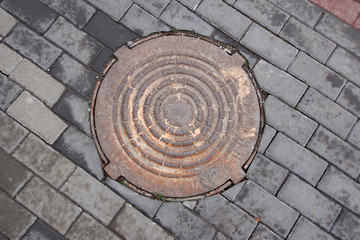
[[177, 116]]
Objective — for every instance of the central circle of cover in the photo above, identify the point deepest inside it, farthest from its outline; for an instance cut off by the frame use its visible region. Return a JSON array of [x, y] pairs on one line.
[[178, 111]]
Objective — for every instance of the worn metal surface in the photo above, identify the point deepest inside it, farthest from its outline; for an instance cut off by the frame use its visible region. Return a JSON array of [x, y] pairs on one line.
[[177, 116]]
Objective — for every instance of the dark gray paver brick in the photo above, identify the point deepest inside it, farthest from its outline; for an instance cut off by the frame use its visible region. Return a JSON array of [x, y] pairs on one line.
[[107, 31], [234, 191], [147, 205], [266, 138], [269, 46], [327, 113], [347, 226], [251, 57], [267, 14], [271, 211], [349, 98], [183, 222], [15, 220], [41, 231], [220, 236], [224, 17], [304, 229], [154, 7], [35, 14], [222, 37], [317, 75], [75, 110], [142, 22], [2, 237], [288, 120], [7, 22], [81, 149], [279, 83], [101, 60], [8, 91], [9, 59], [307, 40], [297, 158], [179, 17], [13, 175], [342, 188], [310, 202], [77, 11], [74, 75], [354, 136], [73, 40], [226, 216], [263, 233], [340, 32], [114, 8], [193, 4], [33, 46]]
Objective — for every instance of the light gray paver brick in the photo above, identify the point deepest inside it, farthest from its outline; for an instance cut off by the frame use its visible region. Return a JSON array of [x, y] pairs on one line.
[[342, 188], [288, 120], [74, 41], [93, 196], [226, 216], [131, 224], [317, 75], [114, 8], [347, 226], [221, 236], [224, 17], [297, 158], [304, 229], [154, 7], [33, 114], [354, 136], [269, 46], [178, 16], [11, 133], [190, 204], [271, 211], [7, 22], [310, 202], [15, 220], [43, 160], [349, 98], [263, 233], [279, 83], [307, 40], [234, 191], [8, 59], [86, 227], [183, 222], [142, 22], [327, 113], [193, 4], [267, 14], [266, 138], [8, 92], [33, 46], [35, 80], [248, 55]]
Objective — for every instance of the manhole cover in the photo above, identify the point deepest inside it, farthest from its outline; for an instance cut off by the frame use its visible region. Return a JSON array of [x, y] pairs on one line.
[[177, 116]]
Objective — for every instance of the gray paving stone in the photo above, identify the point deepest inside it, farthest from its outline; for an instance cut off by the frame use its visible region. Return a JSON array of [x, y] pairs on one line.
[[75, 110], [81, 149], [193, 4], [190, 204], [221, 236], [131, 224], [41, 231], [263, 233], [101, 60], [279, 83], [72, 40], [15, 220], [288, 120], [327, 113], [224, 17], [8, 59], [34, 115], [13, 175], [310, 202], [251, 57], [179, 17], [347, 226], [234, 191], [154, 7], [114, 8], [43, 160], [142, 22], [304, 229], [36, 81], [226, 216], [267, 14], [222, 37], [354, 136], [303, 10], [271, 211], [297, 158], [8, 92], [32, 12], [266, 138], [2, 237], [340, 32], [342, 188], [269, 46], [33, 46], [11, 133], [92, 195], [7, 22], [78, 12], [183, 222], [349, 98], [147, 205], [307, 40], [86, 227], [74, 75], [266, 173], [317, 75]]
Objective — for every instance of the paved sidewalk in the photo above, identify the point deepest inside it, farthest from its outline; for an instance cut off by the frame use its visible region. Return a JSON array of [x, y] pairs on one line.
[[303, 184]]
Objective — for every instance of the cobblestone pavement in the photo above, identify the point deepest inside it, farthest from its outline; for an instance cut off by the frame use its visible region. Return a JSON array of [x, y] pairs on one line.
[[303, 183]]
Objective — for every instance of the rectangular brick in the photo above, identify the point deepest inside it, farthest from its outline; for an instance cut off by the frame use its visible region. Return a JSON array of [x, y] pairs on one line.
[[114, 8], [347, 226], [40, 230], [9, 91], [304, 229], [266, 138], [8, 59], [154, 8], [349, 98], [317, 75], [354, 136], [7, 22], [269, 46]]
